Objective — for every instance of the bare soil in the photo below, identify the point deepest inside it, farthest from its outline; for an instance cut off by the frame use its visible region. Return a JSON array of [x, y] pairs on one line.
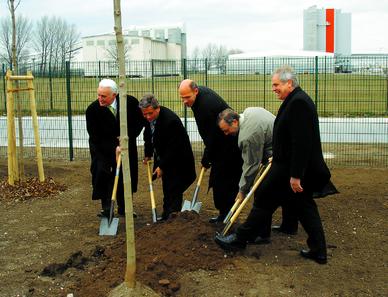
[[49, 244]]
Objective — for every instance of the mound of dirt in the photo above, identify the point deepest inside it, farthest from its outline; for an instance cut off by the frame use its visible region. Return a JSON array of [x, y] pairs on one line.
[[28, 189], [164, 251]]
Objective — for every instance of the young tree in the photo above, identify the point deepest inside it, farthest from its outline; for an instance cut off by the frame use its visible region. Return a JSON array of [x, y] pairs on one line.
[[131, 253]]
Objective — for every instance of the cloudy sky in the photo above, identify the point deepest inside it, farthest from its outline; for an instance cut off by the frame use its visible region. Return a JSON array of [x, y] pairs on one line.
[[250, 25]]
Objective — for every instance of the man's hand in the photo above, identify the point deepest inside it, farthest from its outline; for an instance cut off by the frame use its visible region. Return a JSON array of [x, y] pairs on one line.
[[146, 159], [158, 172], [295, 185], [240, 196], [118, 152]]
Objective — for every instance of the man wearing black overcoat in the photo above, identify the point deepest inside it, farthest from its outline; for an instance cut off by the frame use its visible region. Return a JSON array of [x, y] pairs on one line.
[[298, 169], [221, 152], [171, 149], [103, 126]]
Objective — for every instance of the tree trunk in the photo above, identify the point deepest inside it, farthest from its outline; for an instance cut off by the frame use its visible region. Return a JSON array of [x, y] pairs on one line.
[[130, 234], [20, 154]]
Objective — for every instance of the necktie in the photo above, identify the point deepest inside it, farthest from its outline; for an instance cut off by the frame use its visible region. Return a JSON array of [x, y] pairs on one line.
[[112, 110], [152, 126]]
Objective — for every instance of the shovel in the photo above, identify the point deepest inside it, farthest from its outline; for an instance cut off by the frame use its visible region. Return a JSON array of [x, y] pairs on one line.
[[238, 201], [246, 199], [109, 226], [194, 205], [153, 205]]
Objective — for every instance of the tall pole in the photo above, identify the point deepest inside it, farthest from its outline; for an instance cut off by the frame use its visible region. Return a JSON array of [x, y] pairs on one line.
[[130, 234]]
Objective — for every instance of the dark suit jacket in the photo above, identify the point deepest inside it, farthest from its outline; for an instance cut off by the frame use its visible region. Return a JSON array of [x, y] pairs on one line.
[[104, 129], [221, 150], [173, 153], [296, 140]]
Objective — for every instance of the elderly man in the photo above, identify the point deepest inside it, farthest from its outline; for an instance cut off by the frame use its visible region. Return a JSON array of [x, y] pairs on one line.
[[298, 169], [103, 126], [171, 149], [221, 153]]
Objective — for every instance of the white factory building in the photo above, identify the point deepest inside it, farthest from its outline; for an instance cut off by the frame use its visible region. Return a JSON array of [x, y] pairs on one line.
[[160, 46]]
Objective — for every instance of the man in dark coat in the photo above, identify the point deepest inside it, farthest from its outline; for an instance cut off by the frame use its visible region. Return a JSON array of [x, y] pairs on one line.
[[103, 126], [298, 169], [221, 152], [171, 149]]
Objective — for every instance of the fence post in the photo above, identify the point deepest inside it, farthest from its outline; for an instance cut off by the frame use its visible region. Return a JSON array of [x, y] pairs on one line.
[[324, 88], [264, 80], [316, 80], [4, 91], [206, 72], [51, 87], [99, 70], [386, 77], [184, 61], [152, 77], [69, 112]]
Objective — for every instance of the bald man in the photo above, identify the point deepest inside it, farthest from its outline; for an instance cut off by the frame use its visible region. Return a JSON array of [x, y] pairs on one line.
[[221, 153]]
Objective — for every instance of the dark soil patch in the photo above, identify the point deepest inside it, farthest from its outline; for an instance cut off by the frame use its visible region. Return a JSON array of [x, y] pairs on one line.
[[165, 251]]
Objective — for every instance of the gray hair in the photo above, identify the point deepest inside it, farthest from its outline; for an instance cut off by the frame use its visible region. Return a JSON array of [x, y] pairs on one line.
[[108, 83], [149, 100], [287, 73], [228, 115]]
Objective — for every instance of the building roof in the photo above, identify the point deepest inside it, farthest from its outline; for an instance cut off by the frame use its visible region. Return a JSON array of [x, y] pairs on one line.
[[280, 53]]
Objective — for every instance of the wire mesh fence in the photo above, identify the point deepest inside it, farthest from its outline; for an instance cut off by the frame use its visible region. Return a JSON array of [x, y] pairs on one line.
[[351, 95]]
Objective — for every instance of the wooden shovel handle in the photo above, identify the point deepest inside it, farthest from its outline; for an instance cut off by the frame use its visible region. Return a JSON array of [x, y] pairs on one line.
[[250, 194], [116, 181]]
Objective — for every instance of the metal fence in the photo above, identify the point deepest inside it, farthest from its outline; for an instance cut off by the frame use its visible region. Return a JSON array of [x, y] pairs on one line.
[[351, 95]]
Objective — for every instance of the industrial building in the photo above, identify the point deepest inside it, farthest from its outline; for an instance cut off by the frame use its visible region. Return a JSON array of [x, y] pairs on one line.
[[163, 45], [327, 30], [266, 62]]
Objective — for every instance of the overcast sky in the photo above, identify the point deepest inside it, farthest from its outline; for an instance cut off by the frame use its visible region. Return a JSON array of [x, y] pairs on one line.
[[250, 25]]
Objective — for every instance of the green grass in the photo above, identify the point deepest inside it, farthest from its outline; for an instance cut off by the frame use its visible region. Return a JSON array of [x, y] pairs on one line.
[[337, 95]]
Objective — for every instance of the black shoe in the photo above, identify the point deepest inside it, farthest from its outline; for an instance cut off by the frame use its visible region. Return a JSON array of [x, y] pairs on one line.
[[230, 242], [280, 229], [260, 240], [313, 256], [217, 219], [161, 218]]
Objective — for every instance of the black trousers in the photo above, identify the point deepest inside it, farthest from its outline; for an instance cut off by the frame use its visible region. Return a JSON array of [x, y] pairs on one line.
[[172, 196], [289, 216], [224, 180], [272, 193]]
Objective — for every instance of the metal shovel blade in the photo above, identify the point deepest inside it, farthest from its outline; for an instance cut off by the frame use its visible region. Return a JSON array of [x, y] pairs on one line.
[[109, 229], [186, 205], [197, 207]]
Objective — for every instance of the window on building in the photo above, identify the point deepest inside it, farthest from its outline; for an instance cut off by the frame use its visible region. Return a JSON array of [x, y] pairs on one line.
[[89, 43], [135, 41], [101, 42], [112, 42]]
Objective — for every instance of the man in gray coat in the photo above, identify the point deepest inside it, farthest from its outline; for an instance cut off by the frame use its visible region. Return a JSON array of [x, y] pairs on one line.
[[254, 129]]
